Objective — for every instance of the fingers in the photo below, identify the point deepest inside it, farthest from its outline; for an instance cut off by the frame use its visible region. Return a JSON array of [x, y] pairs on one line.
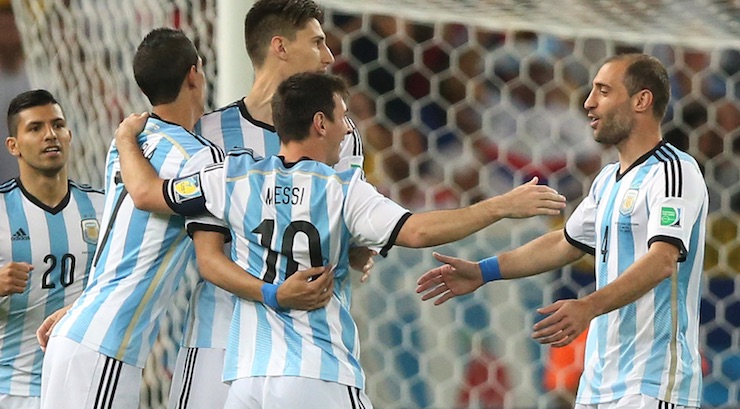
[[436, 291], [430, 279]]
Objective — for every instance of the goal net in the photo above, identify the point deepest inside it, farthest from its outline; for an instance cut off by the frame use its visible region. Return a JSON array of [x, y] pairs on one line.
[[456, 101]]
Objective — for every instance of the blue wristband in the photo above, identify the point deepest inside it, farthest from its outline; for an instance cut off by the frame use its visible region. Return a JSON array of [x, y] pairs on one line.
[[490, 269], [269, 296]]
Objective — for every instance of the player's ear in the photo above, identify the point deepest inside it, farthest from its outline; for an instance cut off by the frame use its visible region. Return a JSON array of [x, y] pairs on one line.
[[277, 46], [642, 100], [319, 123], [12, 144]]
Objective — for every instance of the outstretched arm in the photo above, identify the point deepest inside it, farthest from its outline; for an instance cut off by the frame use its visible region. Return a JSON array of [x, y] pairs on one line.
[[459, 277], [299, 291], [141, 180], [445, 226]]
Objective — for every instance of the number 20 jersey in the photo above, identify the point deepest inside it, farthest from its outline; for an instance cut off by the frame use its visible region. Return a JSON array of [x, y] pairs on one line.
[[59, 243]]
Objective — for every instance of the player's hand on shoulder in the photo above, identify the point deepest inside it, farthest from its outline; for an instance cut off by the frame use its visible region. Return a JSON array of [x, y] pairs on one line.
[[457, 277], [361, 259], [130, 128], [308, 289], [44, 332], [13, 277], [531, 199]]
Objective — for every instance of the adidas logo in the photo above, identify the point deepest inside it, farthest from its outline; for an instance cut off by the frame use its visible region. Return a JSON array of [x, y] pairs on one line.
[[20, 235]]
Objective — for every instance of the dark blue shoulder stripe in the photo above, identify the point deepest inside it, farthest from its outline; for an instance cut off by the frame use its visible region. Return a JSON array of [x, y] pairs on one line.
[[8, 185], [85, 188], [672, 170], [242, 151]]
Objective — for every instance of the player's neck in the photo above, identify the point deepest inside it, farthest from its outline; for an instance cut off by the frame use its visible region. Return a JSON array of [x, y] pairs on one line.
[[179, 112], [260, 96], [308, 148], [641, 141], [48, 189]]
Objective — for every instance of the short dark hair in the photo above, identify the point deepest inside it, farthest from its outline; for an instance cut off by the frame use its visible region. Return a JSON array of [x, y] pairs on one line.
[[299, 98], [25, 100], [268, 18], [161, 63], [646, 72]]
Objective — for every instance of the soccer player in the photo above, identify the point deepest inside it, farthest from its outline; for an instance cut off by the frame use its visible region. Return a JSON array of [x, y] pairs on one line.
[[282, 37], [292, 211], [644, 220], [97, 350], [48, 230]]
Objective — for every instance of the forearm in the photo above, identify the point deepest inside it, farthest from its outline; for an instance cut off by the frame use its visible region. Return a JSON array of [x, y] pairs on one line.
[[224, 273], [546, 253], [444, 226], [642, 276]]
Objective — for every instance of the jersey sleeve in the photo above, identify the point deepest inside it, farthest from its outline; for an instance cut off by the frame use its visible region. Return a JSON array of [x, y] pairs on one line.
[[580, 229], [351, 153], [374, 221], [675, 201], [198, 193]]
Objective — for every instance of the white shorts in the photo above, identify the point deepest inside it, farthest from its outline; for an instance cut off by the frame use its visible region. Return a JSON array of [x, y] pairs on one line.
[[77, 377], [634, 402], [19, 402], [280, 392], [196, 383]]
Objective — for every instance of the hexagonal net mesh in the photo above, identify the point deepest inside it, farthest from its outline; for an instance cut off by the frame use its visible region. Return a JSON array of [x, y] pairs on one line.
[[456, 100]]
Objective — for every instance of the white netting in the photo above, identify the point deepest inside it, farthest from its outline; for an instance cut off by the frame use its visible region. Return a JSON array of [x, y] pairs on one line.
[[457, 100]]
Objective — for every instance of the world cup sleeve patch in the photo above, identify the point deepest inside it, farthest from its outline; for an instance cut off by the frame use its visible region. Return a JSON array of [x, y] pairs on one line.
[[671, 216], [187, 188], [90, 231]]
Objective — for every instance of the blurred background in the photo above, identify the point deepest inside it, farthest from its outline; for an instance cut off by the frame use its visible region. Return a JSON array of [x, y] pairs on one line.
[[456, 100]]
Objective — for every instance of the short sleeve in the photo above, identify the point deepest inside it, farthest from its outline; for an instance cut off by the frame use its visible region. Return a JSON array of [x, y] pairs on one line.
[[675, 200], [373, 220], [580, 229]]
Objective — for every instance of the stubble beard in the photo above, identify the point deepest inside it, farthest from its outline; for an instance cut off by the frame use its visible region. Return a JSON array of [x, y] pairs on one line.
[[616, 127]]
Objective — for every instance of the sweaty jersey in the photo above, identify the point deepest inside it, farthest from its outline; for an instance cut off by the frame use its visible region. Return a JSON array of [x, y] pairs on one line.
[[59, 243], [232, 127], [287, 217], [141, 256], [650, 346]]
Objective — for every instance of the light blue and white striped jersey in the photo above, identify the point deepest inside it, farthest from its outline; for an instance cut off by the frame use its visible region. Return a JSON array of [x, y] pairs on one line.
[[285, 218], [59, 243], [650, 346], [141, 256], [232, 127]]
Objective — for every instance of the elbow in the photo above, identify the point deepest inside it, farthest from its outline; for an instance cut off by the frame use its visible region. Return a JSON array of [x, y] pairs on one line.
[[142, 201], [416, 237]]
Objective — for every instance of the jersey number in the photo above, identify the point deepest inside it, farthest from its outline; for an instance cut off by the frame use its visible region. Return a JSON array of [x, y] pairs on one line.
[[605, 244], [66, 278], [266, 230]]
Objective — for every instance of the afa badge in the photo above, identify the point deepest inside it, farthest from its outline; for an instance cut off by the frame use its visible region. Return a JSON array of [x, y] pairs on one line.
[[628, 202], [187, 188], [90, 231], [670, 216]]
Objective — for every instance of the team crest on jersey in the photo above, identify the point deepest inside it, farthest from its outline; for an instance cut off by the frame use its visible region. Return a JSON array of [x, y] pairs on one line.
[[628, 203], [671, 216], [90, 230], [187, 188]]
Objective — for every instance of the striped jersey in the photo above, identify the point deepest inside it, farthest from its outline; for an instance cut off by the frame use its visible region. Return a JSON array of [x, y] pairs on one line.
[[141, 256], [59, 243], [287, 217], [650, 346], [232, 127]]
